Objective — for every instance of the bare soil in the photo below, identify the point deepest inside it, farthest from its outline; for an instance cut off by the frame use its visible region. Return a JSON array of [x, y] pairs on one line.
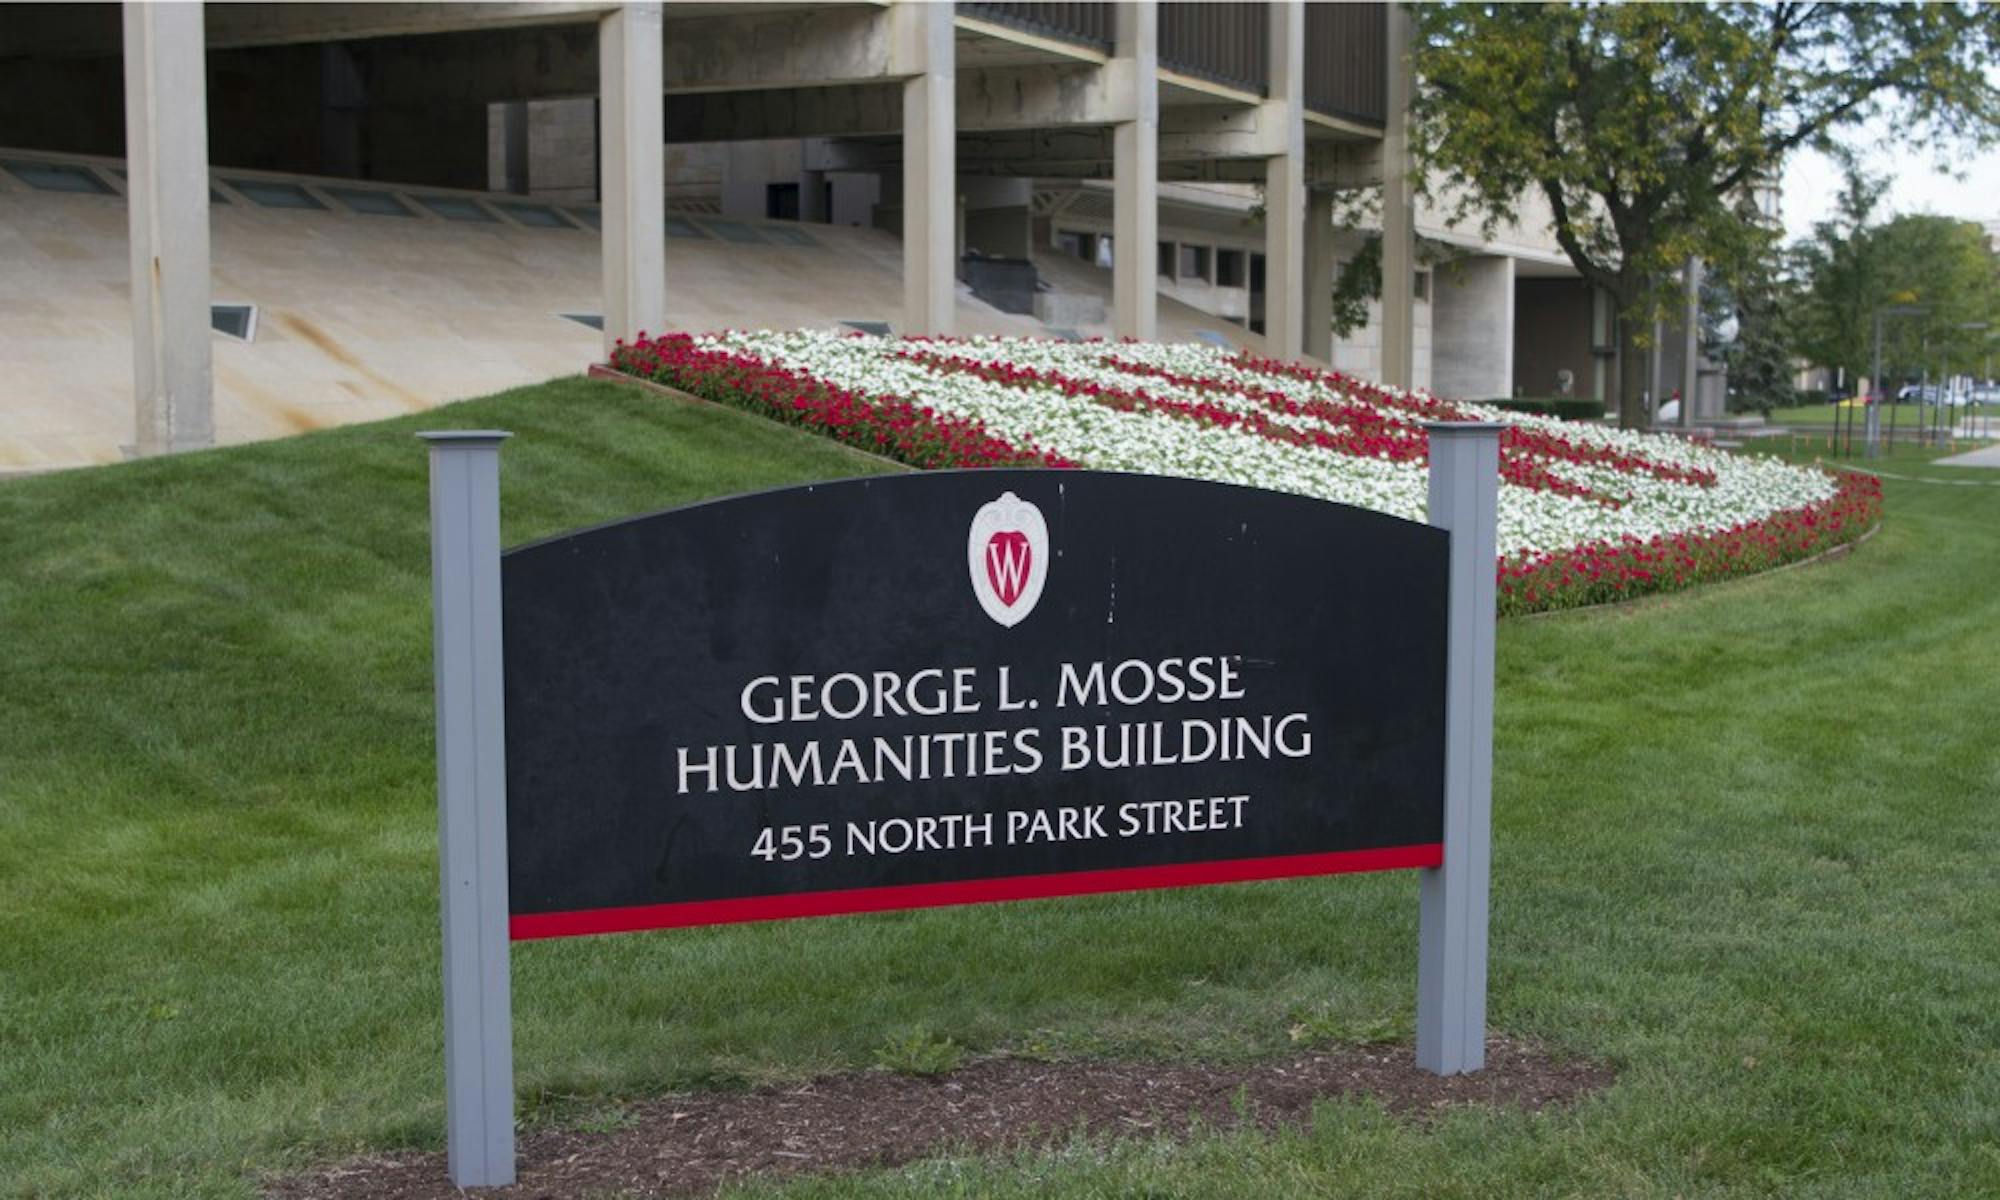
[[686, 1145]]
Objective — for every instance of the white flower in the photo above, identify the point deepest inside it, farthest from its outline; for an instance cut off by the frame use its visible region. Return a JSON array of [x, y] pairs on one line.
[[1095, 434]]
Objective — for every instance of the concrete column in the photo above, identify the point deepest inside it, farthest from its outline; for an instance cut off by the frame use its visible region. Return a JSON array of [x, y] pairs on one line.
[[1284, 185], [632, 148], [930, 170], [1318, 340], [507, 147], [343, 111], [166, 150], [1656, 373], [1136, 173], [1399, 214], [1691, 347], [813, 208], [1472, 328]]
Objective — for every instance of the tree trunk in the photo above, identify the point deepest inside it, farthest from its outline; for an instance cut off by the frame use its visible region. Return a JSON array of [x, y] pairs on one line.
[[1632, 381]]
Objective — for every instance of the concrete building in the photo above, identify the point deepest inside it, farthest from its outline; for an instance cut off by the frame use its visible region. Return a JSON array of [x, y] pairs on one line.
[[414, 195]]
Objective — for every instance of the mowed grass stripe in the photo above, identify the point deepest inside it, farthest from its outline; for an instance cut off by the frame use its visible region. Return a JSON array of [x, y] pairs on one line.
[[1746, 850]]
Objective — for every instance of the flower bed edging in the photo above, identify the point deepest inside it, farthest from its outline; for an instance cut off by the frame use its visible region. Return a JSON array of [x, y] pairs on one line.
[[610, 374], [1841, 550], [886, 424]]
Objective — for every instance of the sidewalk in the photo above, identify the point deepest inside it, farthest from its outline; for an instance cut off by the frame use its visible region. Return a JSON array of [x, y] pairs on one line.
[[1989, 457]]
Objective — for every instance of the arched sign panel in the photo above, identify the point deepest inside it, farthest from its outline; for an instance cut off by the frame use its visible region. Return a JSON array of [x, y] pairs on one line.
[[952, 687]]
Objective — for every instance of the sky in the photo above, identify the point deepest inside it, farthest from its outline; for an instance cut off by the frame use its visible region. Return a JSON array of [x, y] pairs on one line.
[[1811, 185]]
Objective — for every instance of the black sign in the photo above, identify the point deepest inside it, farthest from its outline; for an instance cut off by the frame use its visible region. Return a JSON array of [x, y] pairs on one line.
[[949, 687]]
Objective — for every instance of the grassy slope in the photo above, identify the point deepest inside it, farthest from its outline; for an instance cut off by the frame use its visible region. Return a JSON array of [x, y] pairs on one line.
[[1746, 850]]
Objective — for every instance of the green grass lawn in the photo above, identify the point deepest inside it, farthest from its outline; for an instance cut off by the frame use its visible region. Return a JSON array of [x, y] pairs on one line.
[[1908, 416], [1901, 461], [1747, 851]]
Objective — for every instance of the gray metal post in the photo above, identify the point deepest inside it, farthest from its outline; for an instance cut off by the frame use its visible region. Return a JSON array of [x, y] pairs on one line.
[[1451, 947], [472, 805], [1937, 407], [1691, 342], [1876, 378]]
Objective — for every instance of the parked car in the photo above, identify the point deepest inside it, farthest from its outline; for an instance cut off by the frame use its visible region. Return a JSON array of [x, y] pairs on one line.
[[1930, 394]]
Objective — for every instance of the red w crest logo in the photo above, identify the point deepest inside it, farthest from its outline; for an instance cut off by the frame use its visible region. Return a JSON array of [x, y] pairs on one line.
[[1008, 559], [1007, 556]]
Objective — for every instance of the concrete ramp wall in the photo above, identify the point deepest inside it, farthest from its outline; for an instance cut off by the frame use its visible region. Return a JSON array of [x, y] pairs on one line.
[[362, 316]]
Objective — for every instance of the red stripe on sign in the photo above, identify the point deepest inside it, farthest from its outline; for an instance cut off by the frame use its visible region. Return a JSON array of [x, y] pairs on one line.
[[531, 926]]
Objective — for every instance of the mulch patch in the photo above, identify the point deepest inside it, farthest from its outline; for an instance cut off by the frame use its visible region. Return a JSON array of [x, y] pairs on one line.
[[686, 1145]]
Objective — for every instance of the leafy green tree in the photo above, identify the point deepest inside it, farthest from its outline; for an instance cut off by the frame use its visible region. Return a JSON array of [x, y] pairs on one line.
[[1841, 274], [1850, 268], [1649, 128]]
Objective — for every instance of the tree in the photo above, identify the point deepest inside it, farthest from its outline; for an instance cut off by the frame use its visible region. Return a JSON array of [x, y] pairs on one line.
[[1746, 328], [1850, 268], [1649, 128], [1841, 274]]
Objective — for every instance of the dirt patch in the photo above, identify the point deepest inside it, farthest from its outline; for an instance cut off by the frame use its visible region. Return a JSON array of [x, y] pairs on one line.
[[686, 1145]]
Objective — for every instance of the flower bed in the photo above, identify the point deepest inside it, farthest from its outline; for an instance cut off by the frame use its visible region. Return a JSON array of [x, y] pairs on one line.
[[1588, 514]]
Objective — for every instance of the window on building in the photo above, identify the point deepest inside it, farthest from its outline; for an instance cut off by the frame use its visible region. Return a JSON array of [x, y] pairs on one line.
[[370, 202], [1603, 322], [455, 208], [1167, 256], [785, 235], [234, 320], [57, 177], [535, 216], [1256, 274], [1194, 262], [1083, 246], [781, 201], [1104, 255], [267, 194], [1230, 269], [1420, 287], [733, 231]]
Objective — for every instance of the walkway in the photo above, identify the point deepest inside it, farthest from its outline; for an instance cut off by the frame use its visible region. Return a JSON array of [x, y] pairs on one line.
[[1988, 457]]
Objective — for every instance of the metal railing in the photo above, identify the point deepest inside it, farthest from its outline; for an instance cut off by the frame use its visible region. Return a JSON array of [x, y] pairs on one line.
[[1229, 44], [1346, 54], [1084, 24]]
